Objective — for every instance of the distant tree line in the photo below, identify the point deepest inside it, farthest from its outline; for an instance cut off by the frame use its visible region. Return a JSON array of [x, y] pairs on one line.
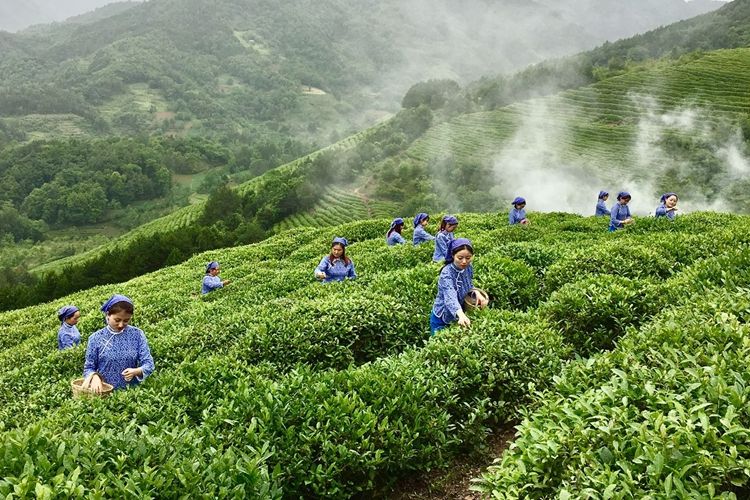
[[76, 182]]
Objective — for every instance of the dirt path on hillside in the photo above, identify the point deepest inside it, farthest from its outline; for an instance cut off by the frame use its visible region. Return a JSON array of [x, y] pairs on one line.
[[454, 483]]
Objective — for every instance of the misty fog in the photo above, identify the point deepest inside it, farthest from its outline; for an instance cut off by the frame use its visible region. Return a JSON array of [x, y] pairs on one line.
[[16, 15], [534, 163]]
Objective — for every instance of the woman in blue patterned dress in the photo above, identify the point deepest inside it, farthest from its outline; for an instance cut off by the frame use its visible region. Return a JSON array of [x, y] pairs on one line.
[[601, 205], [68, 334], [668, 206], [420, 234], [517, 214], [394, 233], [211, 280], [118, 353], [620, 213], [336, 266], [444, 237], [454, 283]]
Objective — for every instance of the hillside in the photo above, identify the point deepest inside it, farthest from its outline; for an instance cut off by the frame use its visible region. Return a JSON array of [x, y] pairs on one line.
[[278, 386], [242, 68], [666, 125], [669, 125]]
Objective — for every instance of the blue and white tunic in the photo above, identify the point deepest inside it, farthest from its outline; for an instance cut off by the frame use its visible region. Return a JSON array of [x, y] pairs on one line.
[[441, 245], [601, 209], [68, 336], [211, 283], [516, 215], [420, 235], [395, 239], [338, 270], [619, 214], [109, 353], [663, 211], [453, 285]]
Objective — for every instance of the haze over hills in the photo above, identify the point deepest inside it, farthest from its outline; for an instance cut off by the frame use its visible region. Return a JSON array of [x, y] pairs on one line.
[[16, 15], [216, 68], [625, 19]]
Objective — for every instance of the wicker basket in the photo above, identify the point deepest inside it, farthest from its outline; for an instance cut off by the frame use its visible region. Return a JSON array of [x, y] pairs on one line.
[[471, 298], [79, 391]]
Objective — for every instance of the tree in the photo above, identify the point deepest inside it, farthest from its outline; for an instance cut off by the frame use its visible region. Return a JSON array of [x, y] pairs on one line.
[[84, 204], [432, 93], [222, 203]]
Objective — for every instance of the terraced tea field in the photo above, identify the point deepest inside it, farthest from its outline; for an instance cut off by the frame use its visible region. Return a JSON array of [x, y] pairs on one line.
[[596, 127], [626, 353], [338, 206]]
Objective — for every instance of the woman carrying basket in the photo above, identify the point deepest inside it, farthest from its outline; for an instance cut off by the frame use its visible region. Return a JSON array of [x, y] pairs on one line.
[[118, 353]]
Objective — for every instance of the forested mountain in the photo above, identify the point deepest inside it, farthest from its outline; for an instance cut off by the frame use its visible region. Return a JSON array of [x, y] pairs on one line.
[[243, 67]]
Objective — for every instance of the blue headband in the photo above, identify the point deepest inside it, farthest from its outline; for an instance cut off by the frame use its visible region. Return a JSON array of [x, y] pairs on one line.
[[457, 243], [450, 219], [667, 195], [518, 201], [602, 194], [114, 300], [66, 312], [623, 194], [419, 218], [212, 265], [340, 241], [396, 222]]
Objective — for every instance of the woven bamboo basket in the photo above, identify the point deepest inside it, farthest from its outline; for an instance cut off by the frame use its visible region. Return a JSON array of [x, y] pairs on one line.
[[79, 391], [471, 298]]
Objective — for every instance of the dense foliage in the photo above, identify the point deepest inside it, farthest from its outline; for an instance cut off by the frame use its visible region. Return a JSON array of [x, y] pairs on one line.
[[230, 216], [279, 386], [664, 414]]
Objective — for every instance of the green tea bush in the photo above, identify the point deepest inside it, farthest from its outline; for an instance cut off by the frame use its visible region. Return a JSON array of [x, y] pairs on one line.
[[402, 414], [668, 418], [593, 313], [538, 255], [509, 283], [280, 386], [615, 258]]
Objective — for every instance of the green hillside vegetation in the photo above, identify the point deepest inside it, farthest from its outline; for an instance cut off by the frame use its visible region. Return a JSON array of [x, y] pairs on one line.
[[596, 129], [238, 68], [80, 182], [336, 207], [280, 386], [725, 28], [230, 216], [377, 166]]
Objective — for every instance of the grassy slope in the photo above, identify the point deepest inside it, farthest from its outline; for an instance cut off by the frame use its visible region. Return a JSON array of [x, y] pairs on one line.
[[228, 363]]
